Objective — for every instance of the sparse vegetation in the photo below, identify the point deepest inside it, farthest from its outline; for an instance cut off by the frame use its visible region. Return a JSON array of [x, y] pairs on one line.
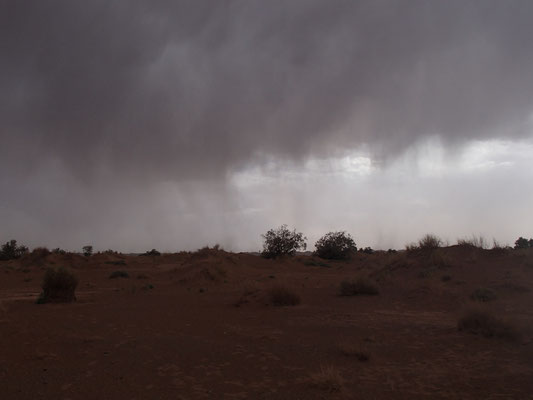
[[282, 242], [359, 286], [283, 296], [483, 295], [11, 251], [482, 323], [119, 274], [59, 285], [335, 246]]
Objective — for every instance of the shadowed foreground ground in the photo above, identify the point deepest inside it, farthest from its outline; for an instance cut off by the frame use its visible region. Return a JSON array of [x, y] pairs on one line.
[[201, 326]]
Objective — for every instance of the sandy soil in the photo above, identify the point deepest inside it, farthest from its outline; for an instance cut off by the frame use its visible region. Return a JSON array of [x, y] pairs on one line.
[[201, 326]]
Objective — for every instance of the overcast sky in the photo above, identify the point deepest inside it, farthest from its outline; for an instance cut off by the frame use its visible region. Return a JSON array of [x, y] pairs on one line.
[[174, 124]]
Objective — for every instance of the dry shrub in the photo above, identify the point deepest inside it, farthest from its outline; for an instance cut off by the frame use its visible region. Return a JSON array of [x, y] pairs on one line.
[[480, 322], [483, 295], [429, 241], [328, 379], [59, 286], [474, 241], [119, 274], [354, 350], [283, 296], [357, 287]]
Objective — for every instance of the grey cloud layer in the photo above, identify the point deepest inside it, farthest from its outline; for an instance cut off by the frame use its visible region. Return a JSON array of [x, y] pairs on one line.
[[194, 89]]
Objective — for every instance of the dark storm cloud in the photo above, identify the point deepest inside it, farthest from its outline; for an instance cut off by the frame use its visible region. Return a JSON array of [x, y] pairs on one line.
[[192, 89]]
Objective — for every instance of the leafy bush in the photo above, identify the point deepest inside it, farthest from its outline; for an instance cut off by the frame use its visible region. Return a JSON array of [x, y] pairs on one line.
[[335, 246], [87, 251], [357, 287], [283, 296], [367, 250], [11, 250], [119, 274], [282, 241], [482, 323], [58, 250], [523, 243], [59, 286]]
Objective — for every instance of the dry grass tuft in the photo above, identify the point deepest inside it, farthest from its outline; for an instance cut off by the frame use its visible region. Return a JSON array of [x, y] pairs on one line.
[[283, 296], [328, 379]]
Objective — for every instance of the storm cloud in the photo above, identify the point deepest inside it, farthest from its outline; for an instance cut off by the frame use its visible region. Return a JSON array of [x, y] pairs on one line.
[[104, 104]]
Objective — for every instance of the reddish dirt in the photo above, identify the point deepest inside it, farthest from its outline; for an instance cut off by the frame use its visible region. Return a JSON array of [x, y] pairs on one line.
[[201, 326]]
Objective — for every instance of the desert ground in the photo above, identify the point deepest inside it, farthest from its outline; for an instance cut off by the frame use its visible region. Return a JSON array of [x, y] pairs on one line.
[[202, 325]]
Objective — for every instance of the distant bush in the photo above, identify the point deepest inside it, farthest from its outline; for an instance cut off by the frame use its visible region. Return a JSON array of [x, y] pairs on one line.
[[482, 323], [11, 251], [335, 246], [58, 250], [523, 243], [40, 252], [483, 295], [283, 296], [59, 286], [152, 252], [87, 251], [282, 241], [367, 250], [357, 287], [119, 274]]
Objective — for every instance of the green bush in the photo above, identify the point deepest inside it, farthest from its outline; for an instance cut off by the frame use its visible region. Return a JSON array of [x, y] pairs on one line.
[[59, 286], [11, 251], [335, 246], [282, 241], [523, 243]]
